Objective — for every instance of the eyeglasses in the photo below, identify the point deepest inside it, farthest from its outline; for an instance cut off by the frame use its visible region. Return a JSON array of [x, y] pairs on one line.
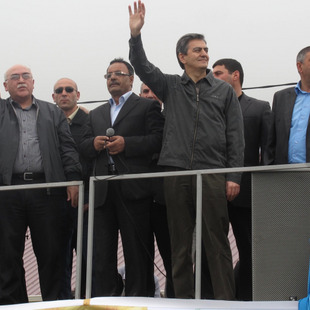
[[145, 91], [117, 73], [68, 89], [16, 76]]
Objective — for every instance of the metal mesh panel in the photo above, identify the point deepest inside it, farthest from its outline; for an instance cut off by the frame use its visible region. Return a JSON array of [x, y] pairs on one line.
[[281, 232]]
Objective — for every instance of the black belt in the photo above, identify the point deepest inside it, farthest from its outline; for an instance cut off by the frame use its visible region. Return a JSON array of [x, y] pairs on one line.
[[29, 176]]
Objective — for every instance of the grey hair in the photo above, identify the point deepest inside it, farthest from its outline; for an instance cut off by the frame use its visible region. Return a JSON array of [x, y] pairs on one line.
[[182, 45], [301, 55], [7, 71]]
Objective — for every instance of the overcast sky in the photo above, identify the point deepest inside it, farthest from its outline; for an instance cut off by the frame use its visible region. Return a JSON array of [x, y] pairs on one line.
[[78, 38]]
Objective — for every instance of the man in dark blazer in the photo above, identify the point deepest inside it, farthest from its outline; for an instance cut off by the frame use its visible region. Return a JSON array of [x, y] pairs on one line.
[[123, 205], [256, 119], [289, 140], [66, 96]]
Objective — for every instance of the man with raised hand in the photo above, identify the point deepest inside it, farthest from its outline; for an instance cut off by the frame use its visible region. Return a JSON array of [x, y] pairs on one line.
[[203, 130]]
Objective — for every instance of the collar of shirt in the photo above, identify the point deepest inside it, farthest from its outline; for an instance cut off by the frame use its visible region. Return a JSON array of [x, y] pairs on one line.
[[17, 105], [298, 90], [71, 116], [116, 108], [208, 77], [299, 123]]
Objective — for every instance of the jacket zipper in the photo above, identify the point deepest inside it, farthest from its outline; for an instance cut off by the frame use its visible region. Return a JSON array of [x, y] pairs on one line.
[[196, 126]]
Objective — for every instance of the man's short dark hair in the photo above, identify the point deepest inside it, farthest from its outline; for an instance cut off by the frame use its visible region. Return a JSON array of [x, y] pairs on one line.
[[182, 45], [231, 65], [127, 64], [301, 55]]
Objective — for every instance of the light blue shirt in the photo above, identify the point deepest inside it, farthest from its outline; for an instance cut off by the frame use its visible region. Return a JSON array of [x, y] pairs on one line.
[[299, 125], [115, 109]]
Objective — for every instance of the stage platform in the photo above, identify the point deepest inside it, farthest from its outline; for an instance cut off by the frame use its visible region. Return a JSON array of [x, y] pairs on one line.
[[137, 303]]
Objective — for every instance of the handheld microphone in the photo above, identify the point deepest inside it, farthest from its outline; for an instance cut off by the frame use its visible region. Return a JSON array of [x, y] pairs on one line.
[[110, 133]]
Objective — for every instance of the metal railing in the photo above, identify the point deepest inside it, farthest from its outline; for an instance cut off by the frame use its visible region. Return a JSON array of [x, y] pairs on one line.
[[80, 219], [198, 173]]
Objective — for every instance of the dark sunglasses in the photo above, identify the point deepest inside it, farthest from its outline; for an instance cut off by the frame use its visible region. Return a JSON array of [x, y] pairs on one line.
[[68, 89]]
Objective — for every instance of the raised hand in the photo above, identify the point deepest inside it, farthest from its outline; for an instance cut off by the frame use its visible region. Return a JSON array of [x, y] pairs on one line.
[[136, 18]]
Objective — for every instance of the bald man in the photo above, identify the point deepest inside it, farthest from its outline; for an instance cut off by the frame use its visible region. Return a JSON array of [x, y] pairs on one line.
[[66, 96]]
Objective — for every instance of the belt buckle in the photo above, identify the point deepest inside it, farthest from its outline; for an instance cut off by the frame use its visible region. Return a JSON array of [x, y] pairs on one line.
[[28, 176]]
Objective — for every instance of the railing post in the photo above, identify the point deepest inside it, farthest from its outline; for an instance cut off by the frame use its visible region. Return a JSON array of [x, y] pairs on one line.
[[198, 236], [79, 243], [90, 238]]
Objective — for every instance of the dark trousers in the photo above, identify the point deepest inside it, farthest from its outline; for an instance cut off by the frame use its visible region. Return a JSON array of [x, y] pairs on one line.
[[241, 222], [70, 238], [180, 195], [160, 229], [132, 218], [43, 211]]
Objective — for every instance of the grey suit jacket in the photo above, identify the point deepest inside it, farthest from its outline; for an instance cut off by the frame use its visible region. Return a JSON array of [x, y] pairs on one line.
[[140, 122], [256, 119], [282, 111]]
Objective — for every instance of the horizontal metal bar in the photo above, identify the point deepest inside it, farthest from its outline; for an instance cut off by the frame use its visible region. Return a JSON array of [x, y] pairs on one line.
[[40, 185], [287, 167], [80, 218]]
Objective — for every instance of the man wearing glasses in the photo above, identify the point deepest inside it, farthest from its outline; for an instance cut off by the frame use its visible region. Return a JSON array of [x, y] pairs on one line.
[[125, 205], [203, 130], [66, 96], [36, 147]]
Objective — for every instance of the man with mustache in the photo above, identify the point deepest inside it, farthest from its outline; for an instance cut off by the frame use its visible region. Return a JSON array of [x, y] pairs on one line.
[[36, 147], [123, 205]]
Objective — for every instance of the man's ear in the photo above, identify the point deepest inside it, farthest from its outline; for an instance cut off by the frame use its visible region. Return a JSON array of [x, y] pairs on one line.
[[181, 58], [236, 75], [298, 65], [131, 80]]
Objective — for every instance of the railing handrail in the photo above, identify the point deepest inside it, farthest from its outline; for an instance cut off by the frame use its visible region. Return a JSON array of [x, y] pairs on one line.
[[80, 184], [92, 180], [39, 185]]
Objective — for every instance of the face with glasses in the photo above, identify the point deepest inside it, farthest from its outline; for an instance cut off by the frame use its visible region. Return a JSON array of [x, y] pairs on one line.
[[66, 95], [119, 81], [19, 83]]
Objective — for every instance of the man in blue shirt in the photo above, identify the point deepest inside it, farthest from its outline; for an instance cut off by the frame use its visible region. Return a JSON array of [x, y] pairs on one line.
[[289, 137], [123, 205]]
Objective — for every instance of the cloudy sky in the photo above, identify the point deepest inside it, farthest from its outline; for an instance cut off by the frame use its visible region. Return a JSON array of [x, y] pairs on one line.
[[78, 38]]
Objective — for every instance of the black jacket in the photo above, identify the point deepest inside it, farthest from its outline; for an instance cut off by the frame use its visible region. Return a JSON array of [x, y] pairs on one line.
[[140, 122], [203, 126], [256, 120], [77, 128], [58, 149], [282, 111]]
